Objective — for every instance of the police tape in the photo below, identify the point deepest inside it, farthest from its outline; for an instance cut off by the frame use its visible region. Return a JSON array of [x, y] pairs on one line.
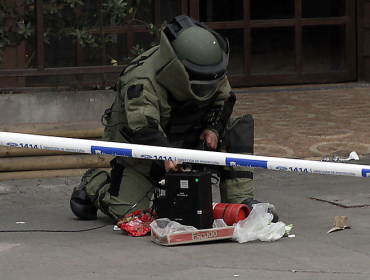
[[182, 155]]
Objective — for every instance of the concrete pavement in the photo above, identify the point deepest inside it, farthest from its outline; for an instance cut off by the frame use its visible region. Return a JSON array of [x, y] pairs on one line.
[[38, 238], [102, 253], [309, 121]]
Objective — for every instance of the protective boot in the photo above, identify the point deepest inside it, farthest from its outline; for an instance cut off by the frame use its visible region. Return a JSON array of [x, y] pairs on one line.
[[80, 203], [251, 201]]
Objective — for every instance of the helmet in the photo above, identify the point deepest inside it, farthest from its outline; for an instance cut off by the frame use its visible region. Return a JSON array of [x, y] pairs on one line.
[[202, 51]]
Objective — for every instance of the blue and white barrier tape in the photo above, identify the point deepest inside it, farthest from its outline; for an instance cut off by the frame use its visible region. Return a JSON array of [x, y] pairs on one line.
[[181, 155]]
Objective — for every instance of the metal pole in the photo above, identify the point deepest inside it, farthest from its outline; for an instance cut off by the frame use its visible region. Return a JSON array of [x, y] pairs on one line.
[[181, 155]]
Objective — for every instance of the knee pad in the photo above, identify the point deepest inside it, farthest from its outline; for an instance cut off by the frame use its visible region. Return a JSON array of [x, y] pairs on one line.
[[82, 206]]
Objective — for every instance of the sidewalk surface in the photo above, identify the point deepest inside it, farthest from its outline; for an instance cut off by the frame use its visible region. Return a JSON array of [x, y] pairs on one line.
[[309, 122], [41, 239]]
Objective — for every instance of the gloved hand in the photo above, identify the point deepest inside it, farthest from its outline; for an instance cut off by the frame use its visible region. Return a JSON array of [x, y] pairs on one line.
[[210, 137], [173, 166]]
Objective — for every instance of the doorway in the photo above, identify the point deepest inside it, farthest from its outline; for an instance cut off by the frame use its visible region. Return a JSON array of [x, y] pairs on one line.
[[284, 42]]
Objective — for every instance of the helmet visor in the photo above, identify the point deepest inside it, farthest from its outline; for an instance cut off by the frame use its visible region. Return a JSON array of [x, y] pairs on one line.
[[205, 88]]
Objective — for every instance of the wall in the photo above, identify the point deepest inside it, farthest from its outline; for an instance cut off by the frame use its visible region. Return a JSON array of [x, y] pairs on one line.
[[48, 107], [74, 114]]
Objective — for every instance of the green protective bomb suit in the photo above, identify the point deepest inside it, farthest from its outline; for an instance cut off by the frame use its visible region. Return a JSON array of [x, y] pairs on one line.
[[158, 104]]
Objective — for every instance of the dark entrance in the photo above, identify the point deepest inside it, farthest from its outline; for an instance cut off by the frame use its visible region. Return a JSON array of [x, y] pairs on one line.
[[284, 42]]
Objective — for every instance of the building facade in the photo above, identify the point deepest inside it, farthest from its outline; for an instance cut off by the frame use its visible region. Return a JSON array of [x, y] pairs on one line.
[[272, 43]]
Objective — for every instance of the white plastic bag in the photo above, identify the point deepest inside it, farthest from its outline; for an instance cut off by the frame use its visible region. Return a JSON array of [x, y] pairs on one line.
[[258, 226], [219, 223], [165, 227]]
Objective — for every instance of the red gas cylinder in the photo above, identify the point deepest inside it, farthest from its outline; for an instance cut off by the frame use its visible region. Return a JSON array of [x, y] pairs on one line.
[[231, 213]]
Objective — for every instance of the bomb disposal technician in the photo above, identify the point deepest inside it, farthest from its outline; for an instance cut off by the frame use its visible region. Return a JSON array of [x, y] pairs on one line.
[[173, 95]]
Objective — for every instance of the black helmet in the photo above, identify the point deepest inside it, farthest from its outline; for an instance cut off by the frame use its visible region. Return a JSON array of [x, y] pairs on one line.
[[202, 51]]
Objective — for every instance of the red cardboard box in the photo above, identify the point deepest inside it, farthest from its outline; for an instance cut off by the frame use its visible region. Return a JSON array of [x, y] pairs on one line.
[[188, 237]]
